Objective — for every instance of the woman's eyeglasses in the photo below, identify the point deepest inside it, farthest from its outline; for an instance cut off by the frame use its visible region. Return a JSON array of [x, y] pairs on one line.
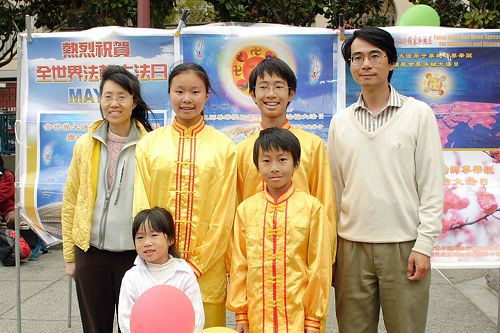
[[119, 99]]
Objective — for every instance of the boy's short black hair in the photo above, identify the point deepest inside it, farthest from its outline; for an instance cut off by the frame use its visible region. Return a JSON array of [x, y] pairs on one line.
[[273, 66], [275, 138], [375, 36]]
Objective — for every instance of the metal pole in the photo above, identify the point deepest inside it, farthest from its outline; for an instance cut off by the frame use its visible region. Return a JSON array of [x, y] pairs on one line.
[[17, 194], [29, 28], [341, 27], [143, 14], [177, 44], [70, 289], [18, 261], [28, 22]]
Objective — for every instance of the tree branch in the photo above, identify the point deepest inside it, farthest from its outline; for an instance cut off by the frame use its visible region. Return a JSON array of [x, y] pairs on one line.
[[459, 226], [9, 58], [8, 52]]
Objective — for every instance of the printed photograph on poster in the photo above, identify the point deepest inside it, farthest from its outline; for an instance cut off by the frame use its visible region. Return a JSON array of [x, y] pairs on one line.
[[471, 217], [58, 135]]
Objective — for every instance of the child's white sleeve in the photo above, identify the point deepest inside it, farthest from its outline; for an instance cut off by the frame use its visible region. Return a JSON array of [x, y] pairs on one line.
[[125, 305], [192, 291]]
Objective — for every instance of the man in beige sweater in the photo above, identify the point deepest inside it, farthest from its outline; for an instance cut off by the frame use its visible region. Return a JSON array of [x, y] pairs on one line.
[[386, 160]]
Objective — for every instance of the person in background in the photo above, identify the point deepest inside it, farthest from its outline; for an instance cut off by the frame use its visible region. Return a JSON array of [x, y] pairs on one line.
[[97, 204], [190, 169], [387, 164], [157, 263], [281, 267], [7, 196], [7, 213]]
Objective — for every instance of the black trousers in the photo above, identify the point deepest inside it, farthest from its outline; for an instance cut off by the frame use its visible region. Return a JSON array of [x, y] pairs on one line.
[[98, 280]]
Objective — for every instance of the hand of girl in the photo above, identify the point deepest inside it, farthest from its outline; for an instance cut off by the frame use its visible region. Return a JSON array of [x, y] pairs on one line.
[[71, 269]]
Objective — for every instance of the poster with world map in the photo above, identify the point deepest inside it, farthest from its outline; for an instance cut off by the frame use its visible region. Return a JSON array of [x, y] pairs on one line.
[[455, 71]]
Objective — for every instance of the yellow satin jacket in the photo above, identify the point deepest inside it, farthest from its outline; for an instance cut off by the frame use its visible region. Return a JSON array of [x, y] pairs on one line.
[[192, 173], [313, 175], [280, 265]]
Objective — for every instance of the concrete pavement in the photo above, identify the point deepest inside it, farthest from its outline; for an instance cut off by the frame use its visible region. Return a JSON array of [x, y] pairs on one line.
[[460, 300]]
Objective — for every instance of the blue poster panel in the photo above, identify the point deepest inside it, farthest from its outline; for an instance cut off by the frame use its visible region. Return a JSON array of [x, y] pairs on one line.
[[62, 74], [453, 70], [229, 54]]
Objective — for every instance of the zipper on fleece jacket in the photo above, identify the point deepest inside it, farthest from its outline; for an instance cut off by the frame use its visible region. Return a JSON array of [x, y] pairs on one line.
[[109, 191]]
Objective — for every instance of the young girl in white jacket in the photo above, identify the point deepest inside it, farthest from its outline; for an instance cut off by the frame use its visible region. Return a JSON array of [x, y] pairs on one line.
[[157, 263]]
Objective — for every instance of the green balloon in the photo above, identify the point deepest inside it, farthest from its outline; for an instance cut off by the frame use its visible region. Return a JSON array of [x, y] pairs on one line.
[[420, 15]]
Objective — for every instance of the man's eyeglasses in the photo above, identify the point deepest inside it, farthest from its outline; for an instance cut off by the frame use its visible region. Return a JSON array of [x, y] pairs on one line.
[[118, 99], [265, 88], [374, 58]]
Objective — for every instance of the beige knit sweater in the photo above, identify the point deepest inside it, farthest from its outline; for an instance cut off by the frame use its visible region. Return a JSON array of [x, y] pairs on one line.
[[389, 183]]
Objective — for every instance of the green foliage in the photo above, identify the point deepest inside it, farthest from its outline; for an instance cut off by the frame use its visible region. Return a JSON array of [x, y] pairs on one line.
[[200, 12], [450, 11], [71, 14], [454, 13], [86, 14], [160, 10], [482, 19], [13, 18], [359, 13], [482, 14], [292, 12]]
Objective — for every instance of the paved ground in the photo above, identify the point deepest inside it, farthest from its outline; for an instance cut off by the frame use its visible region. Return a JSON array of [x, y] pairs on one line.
[[460, 300]]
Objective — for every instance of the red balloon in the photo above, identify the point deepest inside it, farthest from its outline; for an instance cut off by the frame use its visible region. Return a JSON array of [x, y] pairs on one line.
[[162, 309]]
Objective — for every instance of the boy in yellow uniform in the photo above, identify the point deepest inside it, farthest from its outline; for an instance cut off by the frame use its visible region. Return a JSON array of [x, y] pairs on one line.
[[272, 86], [281, 247]]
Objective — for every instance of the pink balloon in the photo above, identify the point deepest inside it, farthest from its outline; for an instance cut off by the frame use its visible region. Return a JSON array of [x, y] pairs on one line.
[[162, 309]]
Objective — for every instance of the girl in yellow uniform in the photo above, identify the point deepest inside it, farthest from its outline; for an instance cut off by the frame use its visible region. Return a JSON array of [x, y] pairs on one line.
[[189, 168]]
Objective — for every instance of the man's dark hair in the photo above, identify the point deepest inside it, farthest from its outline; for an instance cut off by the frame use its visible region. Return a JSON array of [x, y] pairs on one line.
[[273, 66], [375, 36], [275, 138]]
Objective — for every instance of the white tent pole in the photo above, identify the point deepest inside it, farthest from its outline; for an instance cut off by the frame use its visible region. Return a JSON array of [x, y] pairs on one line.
[[18, 188]]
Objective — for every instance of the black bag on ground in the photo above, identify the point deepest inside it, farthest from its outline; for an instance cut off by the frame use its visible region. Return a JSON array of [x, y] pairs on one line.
[[7, 245]]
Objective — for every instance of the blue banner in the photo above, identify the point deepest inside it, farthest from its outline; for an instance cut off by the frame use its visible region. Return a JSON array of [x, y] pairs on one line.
[[229, 54]]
